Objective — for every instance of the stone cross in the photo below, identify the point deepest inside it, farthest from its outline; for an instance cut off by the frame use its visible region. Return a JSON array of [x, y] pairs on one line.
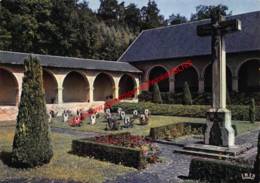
[[219, 131], [217, 29]]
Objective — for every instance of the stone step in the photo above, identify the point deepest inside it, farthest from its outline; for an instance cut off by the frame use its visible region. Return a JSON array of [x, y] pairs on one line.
[[206, 155], [233, 151]]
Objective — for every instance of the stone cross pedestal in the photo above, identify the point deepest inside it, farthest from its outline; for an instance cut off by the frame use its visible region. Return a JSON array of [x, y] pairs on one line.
[[219, 130]]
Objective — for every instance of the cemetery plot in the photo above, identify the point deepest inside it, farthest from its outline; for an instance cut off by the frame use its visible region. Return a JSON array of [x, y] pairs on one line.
[[124, 148]]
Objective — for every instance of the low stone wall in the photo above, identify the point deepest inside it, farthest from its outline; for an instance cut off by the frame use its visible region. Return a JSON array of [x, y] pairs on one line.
[[9, 113]]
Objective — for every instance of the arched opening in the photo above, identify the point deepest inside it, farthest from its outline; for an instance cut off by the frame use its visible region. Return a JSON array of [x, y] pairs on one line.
[[249, 76], [189, 75], [51, 87], [126, 84], [208, 78], [75, 88], [9, 88], [103, 87], [157, 72]]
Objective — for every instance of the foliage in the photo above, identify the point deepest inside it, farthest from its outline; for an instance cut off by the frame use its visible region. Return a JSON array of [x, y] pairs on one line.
[[177, 19], [252, 111], [32, 143], [187, 98], [204, 11], [239, 112], [156, 94], [122, 148], [217, 170]]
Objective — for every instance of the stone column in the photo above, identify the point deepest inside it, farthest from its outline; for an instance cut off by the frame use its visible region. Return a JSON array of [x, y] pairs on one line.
[[201, 85], [60, 93], [172, 83], [91, 94], [116, 92], [235, 83]]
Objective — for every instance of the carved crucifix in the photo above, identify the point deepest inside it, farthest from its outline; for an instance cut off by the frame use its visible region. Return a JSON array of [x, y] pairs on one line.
[[217, 30]]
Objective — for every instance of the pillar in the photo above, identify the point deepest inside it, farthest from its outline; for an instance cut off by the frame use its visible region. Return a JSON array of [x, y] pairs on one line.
[[201, 85], [235, 83], [60, 93], [91, 93], [172, 83]]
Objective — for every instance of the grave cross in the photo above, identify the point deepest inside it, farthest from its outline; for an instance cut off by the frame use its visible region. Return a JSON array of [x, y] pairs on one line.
[[217, 29]]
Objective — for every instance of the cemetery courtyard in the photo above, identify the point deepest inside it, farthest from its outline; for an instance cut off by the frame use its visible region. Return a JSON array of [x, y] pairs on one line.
[[65, 166]]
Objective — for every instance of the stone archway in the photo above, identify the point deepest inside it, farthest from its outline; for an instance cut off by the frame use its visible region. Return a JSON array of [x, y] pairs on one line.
[[50, 86], [189, 75], [126, 84], [104, 87], [75, 88], [156, 72], [208, 78], [249, 76], [9, 88]]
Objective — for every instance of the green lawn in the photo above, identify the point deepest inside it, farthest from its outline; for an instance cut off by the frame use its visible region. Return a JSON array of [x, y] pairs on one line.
[[63, 165], [242, 126]]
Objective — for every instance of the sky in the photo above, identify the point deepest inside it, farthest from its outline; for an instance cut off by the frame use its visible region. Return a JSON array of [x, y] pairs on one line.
[[186, 7]]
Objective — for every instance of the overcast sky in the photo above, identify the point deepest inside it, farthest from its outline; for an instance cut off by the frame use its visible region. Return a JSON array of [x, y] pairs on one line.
[[186, 7]]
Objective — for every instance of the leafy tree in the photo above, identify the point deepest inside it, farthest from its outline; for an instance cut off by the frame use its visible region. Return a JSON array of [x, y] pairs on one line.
[[177, 19], [109, 10], [204, 12], [32, 143], [156, 94], [252, 110], [151, 17], [133, 17], [187, 98]]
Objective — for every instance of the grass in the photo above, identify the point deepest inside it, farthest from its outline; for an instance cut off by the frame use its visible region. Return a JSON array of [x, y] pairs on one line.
[[63, 165], [155, 121]]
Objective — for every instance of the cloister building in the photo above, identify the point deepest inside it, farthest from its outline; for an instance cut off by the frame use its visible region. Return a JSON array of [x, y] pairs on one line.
[[73, 83]]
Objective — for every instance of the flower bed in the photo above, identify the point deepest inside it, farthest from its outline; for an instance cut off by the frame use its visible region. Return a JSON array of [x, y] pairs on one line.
[[123, 148]]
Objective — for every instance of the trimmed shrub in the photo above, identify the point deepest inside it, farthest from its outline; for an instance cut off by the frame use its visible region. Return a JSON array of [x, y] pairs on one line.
[[238, 112], [176, 130], [218, 170], [257, 162], [32, 143], [124, 153], [252, 110], [187, 99], [156, 94]]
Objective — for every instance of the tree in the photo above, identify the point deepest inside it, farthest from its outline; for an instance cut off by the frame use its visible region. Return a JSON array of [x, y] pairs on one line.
[[133, 17], [204, 12], [187, 98], [32, 143], [151, 17], [252, 110], [156, 94], [177, 19], [110, 11]]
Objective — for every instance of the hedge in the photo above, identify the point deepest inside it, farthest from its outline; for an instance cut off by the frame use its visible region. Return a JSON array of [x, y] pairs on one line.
[[239, 112], [218, 170], [178, 130], [115, 154]]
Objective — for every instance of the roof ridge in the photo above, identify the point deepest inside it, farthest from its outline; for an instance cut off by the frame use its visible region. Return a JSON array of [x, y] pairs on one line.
[[196, 21]]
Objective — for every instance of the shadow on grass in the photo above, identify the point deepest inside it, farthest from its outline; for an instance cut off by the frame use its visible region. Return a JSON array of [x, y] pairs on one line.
[[6, 158]]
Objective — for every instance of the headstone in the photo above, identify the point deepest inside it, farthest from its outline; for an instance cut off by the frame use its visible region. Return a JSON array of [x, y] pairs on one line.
[[119, 110], [135, 113], [122, 115], [219, 130], [108, 111], [93, 119], [147, 112], [127, 121], [65, 116]]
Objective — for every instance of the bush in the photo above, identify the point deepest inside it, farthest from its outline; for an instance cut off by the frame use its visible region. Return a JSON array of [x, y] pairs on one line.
[[218, 170], [118, 148], [156, 94], [32, 143], [187, 99], [176, 130], [197, 111], [252, 111]]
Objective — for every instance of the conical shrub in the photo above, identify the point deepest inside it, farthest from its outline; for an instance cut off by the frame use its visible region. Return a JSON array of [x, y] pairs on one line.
[[156, 94], [252, 110], [187, 98], [32, 143]]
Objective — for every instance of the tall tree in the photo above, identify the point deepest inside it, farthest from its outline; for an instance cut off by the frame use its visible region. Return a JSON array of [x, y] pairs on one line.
[[177, 19], [204, 12], [133, 17], [109, 10], [156, 94], [32, 143], [151, 17]]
